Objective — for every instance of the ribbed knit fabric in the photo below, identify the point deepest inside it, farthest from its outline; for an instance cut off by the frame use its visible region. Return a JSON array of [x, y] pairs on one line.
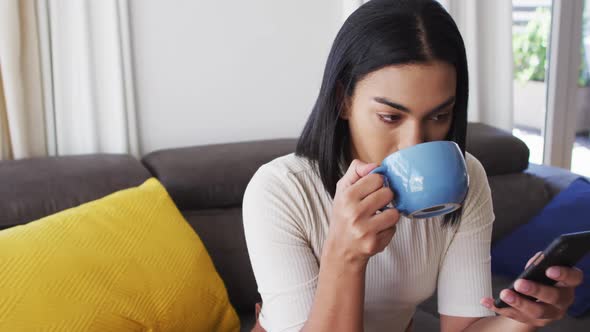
[[286, 219]]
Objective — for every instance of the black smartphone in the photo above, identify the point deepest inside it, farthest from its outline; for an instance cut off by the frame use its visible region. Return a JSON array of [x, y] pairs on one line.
[[565, 250]]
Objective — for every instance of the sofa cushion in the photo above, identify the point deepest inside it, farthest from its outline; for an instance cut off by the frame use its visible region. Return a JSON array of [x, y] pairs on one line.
[[37, 187], [222, 233], [517, 198], [126, 262], [425, 322], [498, 151], [213, 176]]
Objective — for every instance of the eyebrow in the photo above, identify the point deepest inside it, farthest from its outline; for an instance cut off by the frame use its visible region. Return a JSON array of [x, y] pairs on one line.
[[403, 108]]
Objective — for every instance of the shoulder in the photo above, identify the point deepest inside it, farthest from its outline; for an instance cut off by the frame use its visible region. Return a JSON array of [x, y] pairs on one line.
[[479, 198], [287, 164], [278, 190], [474, 168], [282, 174], [478, 179]]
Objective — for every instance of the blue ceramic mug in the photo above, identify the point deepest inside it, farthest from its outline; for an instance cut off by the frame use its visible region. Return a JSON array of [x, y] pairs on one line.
[[427, 180]]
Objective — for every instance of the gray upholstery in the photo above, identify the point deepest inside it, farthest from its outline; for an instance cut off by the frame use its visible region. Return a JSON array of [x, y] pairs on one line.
[[497, 150], [517, 198], [213, 176], [223, 235], [37, 187], [425, 322]]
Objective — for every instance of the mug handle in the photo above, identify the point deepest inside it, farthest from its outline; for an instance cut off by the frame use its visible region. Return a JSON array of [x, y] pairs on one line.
[[381, 171]]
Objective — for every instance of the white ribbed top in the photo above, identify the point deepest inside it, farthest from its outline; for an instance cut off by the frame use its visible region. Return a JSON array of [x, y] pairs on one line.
[[286, 218]]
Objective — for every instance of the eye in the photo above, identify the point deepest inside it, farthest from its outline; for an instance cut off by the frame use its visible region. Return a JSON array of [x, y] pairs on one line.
[[440, 117], [389, 118]]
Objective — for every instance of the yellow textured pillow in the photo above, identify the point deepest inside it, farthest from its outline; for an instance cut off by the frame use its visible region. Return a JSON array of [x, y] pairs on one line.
[[126, 262]]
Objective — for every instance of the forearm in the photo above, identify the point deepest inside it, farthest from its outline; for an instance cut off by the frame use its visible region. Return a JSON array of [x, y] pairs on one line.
[[499, 323], [339, 298]]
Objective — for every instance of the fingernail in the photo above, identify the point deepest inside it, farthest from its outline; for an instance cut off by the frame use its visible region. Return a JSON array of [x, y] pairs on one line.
[[523, 286], [485, 304], [553, 272], [508, 297]]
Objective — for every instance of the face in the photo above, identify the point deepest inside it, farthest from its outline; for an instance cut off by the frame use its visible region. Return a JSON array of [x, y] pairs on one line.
[[399, 106]]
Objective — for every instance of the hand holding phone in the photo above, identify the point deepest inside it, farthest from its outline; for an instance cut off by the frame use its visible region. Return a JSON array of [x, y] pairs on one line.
[[565, 250]]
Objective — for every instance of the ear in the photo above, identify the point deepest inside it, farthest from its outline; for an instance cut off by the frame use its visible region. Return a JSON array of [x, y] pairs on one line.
[[345, 101], [345, 112]]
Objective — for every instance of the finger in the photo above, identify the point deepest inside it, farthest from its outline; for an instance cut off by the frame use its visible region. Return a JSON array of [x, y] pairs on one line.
[[366, 169], [385, 236], [532, 310], [355, 172], [532, 259], [512, 313], [567, 276], [561, 298], [376, 201], [383, 221], [507, 312], [366, 185]]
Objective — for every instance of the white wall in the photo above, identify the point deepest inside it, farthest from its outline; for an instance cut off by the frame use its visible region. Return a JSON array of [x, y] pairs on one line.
[[225, 71]]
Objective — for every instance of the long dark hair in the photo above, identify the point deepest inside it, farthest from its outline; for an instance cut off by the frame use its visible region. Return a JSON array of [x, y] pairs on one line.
[[378, 34]]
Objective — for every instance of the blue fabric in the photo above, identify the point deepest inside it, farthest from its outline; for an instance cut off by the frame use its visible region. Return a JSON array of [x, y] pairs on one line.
[[568, 212]]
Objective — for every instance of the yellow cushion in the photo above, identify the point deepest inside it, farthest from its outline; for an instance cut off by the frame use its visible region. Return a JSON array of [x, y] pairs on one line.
[[126, 262]]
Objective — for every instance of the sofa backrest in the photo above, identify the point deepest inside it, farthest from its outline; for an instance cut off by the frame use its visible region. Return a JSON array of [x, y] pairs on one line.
[[37, 187], [207, 183]]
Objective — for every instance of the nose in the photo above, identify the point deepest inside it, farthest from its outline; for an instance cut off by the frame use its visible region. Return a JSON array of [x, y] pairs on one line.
[[412, 134]]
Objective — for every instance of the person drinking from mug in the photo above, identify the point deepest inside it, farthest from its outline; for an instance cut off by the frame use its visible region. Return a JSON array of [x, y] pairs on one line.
[[325, 254]]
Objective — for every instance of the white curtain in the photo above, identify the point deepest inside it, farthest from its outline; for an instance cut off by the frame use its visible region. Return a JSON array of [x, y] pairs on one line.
[[93, 101], [22, 124], [67, 82], [486, 27]]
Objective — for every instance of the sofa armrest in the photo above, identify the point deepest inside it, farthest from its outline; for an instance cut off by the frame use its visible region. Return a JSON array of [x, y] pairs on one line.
[[556, 178]]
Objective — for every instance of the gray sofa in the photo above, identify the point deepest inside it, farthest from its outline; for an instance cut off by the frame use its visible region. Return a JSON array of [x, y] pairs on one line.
[[207, 184]]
